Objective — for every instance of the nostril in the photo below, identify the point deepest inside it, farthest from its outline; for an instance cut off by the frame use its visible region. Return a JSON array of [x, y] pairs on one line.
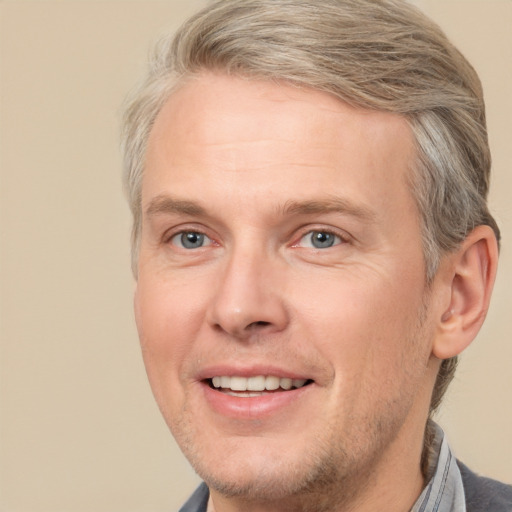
[[254, 325]]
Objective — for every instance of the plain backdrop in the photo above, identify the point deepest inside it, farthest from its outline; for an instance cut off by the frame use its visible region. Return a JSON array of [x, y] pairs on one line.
[[79, 431]]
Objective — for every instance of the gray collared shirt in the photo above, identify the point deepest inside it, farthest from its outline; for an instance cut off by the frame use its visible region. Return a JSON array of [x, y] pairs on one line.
[[443, 493]]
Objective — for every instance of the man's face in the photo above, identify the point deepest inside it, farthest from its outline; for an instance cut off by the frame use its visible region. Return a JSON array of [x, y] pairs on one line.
[[281, 249]]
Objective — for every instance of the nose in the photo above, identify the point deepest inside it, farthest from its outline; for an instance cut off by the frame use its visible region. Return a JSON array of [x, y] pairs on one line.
[[249, 299]]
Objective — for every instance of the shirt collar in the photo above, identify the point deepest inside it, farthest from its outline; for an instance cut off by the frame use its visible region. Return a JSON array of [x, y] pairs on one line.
[[444, 492]]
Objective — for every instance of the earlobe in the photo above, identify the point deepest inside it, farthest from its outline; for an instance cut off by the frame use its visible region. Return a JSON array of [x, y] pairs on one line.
[[471, 275]]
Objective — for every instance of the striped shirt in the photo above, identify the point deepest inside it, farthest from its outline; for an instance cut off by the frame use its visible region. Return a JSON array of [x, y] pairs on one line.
[[445, 491]]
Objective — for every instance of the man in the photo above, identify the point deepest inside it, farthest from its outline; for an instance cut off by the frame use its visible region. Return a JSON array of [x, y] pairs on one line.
[[313, 249]]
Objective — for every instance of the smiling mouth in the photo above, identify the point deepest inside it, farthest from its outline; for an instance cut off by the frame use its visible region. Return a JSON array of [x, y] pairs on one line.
[[255, 386]]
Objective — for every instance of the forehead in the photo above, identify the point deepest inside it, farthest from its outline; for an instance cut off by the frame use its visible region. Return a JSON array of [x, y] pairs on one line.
[[274, 139]]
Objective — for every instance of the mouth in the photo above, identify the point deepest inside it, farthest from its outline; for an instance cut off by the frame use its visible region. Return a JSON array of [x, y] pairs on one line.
[[255, 386]]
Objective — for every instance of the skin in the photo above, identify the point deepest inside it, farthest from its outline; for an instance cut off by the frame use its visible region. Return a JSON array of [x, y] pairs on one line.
[[257, 167]]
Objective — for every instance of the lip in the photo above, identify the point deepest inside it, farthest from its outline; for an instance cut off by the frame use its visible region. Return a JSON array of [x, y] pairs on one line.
[[252, 371], [251, 408]]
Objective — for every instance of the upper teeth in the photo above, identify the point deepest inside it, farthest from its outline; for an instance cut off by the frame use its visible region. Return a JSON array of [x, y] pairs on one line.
[[258, 383]]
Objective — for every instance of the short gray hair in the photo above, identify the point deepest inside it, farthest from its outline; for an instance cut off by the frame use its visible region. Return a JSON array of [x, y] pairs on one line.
[[373, 54]]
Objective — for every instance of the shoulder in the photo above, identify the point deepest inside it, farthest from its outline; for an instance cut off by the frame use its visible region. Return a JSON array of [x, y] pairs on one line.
[[484, 494], [198, 502]]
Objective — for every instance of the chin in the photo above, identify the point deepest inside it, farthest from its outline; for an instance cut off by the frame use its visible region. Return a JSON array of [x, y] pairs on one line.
[[267, 470], [269, 482]]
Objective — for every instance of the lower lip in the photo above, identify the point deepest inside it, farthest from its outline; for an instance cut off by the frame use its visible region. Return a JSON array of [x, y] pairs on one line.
[[255, 407]]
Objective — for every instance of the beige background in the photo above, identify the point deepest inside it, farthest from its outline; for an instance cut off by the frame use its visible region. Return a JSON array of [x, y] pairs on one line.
[[79, 430]]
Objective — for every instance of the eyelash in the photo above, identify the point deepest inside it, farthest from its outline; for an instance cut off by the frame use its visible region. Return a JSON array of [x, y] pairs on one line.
[[338, 238]]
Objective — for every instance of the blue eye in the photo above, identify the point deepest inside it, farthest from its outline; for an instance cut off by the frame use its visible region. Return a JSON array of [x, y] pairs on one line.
[[320, 239], [190, 240]]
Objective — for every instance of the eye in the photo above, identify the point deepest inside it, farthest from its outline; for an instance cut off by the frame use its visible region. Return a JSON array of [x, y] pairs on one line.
[[190, 240], [320, 239]]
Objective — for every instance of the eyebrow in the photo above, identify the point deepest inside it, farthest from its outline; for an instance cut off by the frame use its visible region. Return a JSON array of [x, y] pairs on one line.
[[163, 204], [168, 205], [331, 204]]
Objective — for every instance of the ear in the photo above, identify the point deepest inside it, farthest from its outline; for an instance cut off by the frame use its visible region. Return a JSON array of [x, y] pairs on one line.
[[468, 279]]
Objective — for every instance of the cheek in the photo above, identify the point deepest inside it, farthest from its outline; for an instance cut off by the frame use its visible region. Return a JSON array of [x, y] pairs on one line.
[[363, 322], [163, 323], [164, 307], [167, 321]]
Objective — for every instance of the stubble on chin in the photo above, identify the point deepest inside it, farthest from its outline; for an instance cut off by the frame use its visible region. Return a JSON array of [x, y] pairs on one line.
[[313, 479]]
